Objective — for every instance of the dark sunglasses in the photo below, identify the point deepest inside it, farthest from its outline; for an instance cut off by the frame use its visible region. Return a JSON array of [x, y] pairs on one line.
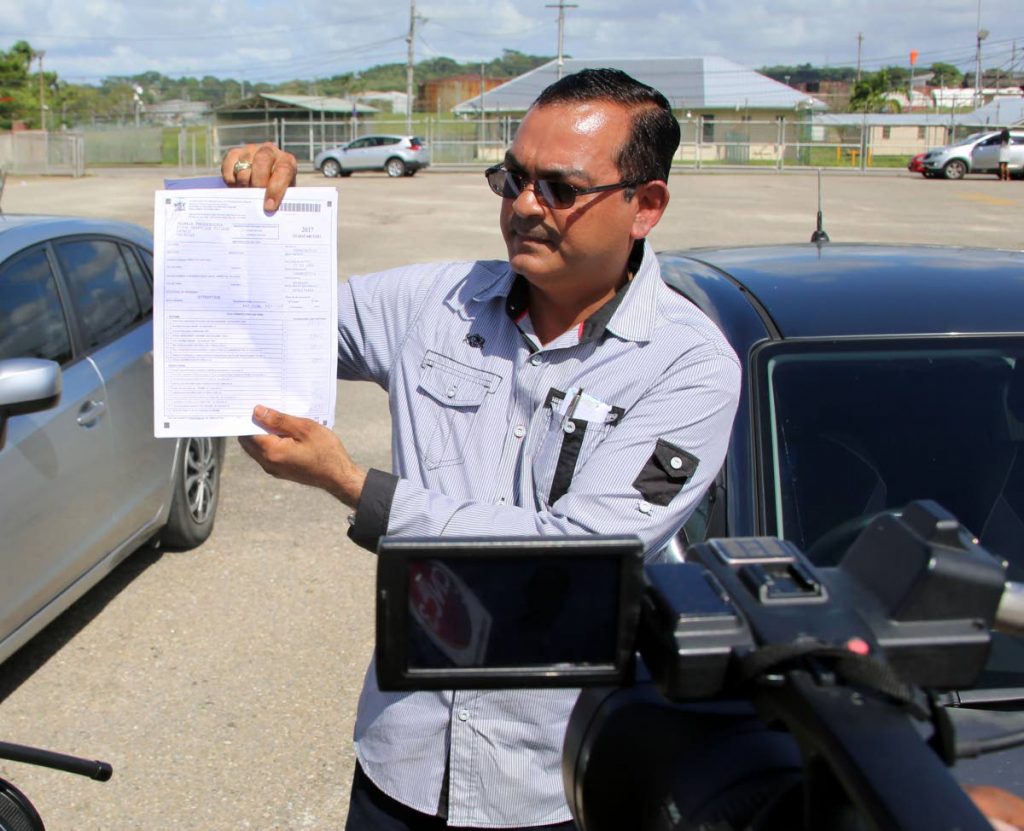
[[508, 185]]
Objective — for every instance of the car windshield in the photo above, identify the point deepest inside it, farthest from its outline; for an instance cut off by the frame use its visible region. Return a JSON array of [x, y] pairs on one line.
[[853, 429]]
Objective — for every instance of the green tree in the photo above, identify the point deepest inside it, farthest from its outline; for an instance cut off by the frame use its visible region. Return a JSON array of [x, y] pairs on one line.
[[871, 93], [15, 85], [945, 75]]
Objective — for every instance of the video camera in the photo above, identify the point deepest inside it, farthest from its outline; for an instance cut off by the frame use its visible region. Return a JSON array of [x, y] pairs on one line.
[[767, 693]]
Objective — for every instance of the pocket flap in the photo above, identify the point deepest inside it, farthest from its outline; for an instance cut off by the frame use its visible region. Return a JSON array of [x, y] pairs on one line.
[[455, 384]]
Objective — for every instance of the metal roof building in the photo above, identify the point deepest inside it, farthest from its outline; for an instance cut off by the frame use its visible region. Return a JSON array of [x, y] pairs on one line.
[[694, 84], [1002, 111], [266, 103]]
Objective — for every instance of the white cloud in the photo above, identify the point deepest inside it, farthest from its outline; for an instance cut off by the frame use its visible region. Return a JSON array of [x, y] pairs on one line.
[[260, 40]]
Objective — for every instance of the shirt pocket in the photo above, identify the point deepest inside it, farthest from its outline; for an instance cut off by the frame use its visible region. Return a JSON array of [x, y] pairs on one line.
[[564, 446], [453, 393]]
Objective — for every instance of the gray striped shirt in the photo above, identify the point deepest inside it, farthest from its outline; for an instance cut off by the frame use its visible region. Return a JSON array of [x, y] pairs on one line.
[[616, 427]]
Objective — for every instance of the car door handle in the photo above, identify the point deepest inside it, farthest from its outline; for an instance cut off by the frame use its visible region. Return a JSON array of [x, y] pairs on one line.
[[91, 412]]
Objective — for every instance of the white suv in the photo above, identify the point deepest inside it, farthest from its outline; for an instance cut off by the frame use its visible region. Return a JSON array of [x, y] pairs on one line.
[[977, 153], [396, 155]]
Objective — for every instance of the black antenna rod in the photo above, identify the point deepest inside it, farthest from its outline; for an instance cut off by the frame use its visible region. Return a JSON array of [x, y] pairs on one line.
[[819, 234], [101, 771]]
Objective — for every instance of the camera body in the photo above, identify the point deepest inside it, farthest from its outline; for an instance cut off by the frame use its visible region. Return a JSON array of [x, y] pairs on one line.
[[768, 693]]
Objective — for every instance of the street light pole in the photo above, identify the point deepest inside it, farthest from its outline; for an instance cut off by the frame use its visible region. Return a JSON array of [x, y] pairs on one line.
[[982, 34], [410, 63]]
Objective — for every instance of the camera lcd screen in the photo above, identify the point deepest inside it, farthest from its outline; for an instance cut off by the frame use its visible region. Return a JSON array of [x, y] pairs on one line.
[[477, 613]]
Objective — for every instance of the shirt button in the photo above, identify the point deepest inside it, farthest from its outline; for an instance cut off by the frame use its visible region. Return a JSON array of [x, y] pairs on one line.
[[463, 715], [519, 432], [450, 392], [536, 360], [675, 462]]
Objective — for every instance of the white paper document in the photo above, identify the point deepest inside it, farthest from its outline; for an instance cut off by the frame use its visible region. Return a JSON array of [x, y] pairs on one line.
[[245, 309]]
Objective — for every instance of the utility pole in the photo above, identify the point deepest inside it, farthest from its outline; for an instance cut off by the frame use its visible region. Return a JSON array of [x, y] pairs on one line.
[[561, 5], [42, 92], [860, 43], [410, 63]]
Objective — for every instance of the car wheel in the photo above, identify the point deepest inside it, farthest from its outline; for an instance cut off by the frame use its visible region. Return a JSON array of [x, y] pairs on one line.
[[955, 169], [196, 494], [395, 168], [330, 168]]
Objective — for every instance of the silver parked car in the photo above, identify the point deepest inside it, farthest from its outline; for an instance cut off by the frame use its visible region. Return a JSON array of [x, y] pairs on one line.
[[976, 153], [83, 482], [396, 155]]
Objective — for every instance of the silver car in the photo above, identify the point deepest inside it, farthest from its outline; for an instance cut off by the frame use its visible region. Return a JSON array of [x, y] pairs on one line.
[[83, 482], [976, 153], [396, 155]]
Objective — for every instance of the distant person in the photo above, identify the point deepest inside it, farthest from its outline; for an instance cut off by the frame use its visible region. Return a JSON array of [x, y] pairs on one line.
[[564, 391], [1004, 155]]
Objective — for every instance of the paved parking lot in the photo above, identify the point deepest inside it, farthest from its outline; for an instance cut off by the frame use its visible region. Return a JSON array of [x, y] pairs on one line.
[[221, 683]]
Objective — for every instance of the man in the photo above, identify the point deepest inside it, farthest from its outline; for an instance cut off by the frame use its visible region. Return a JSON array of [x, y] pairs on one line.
[[564, 392]]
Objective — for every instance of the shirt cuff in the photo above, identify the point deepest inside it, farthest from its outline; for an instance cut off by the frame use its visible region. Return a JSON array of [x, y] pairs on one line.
[[370, 521]]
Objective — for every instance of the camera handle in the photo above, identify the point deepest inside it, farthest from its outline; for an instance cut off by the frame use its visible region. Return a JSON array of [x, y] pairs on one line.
[[94, 769], [869, 750]]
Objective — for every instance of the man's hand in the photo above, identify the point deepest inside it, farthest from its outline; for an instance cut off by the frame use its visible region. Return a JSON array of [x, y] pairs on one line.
[[1003, 809], [306, 452], [272, 168]]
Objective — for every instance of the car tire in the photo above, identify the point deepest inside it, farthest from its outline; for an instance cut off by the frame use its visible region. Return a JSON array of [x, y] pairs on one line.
[[955, 169], [395, 167], [196, 494], [331, 168]]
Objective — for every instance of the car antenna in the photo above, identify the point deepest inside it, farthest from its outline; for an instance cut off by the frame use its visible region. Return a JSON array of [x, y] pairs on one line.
[[819, 234]]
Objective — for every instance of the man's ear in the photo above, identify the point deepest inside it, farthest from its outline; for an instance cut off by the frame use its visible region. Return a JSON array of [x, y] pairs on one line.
[[651, 199]]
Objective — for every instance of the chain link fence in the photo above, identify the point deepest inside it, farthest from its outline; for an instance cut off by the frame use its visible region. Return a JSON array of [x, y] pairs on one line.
[[38, 152], [707, 142]]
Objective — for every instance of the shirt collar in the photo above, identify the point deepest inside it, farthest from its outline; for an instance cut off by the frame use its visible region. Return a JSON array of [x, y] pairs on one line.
[[629, 315]]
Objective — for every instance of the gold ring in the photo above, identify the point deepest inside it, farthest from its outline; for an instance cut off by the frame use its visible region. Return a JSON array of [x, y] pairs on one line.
[[241, 165]]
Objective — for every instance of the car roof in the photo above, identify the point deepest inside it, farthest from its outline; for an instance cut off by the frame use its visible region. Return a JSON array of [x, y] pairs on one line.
[[840, 289], [18, 231]]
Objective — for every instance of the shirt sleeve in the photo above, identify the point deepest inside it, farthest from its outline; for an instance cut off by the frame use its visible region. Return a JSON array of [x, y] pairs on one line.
[[671, 444], [375, 314]]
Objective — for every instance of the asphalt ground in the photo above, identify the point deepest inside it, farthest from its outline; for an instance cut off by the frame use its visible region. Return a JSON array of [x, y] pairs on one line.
[[222, 683]]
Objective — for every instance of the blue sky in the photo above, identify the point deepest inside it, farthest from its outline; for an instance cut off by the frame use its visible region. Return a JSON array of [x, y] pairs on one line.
[[254, 40]]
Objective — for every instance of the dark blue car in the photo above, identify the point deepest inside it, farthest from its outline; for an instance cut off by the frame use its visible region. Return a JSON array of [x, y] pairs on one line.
[[874, 376]]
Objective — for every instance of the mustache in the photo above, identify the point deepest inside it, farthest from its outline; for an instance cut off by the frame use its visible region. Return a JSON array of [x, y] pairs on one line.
[[534, 229]]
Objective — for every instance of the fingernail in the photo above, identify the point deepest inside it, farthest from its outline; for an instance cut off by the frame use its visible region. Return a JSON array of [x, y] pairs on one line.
[[259, 411], [269, 206]]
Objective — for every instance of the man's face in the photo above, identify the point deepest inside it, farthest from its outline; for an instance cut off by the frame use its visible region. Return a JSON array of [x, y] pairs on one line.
[[587, 245]]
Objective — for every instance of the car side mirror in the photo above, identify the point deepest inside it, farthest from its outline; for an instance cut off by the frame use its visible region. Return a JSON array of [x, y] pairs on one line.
[[28, 385]]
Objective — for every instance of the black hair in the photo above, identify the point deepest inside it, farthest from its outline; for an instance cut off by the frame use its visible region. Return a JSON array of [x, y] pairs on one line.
[[654, 137]]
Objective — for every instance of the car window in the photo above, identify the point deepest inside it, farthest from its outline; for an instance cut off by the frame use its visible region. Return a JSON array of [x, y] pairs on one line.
[[389, 140], [101, 288], [139, 279], [855, 430], [147, 258], [358, 143], [32, 322]]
